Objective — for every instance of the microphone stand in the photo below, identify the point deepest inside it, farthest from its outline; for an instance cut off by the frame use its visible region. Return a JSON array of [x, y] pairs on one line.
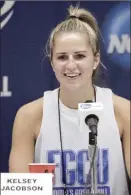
[[93, 151]]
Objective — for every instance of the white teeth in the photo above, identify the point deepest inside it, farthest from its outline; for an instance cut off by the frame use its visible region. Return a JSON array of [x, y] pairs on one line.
[[71, 75]]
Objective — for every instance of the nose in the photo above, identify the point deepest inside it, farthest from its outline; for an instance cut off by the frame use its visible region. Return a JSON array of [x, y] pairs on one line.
[[71, 64]]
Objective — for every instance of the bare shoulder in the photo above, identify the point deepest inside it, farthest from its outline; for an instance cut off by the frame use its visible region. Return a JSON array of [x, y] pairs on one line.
[[26, 125], [121, 104], [32, 107], [122, 111], [31, 115]]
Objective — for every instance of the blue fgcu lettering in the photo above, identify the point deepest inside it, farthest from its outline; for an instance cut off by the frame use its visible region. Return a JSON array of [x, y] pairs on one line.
[[103, 167], [76, 168]]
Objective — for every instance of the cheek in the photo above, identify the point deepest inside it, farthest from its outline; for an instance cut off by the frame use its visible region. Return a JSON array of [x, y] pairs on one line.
[[58, 66], [88, 65]]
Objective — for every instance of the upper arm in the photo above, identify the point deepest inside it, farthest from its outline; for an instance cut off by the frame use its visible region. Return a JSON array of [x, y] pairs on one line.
[[123, 109], [126, 136], [22, 149]]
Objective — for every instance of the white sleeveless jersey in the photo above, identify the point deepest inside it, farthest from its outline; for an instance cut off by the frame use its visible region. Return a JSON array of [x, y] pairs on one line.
[[111, 176]]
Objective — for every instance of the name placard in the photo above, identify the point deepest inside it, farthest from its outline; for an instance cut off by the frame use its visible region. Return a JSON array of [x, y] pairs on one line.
[[26, 184]]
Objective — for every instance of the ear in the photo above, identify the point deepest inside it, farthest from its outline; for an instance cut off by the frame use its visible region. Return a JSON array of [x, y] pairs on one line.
[[96, 60], [51, 63]]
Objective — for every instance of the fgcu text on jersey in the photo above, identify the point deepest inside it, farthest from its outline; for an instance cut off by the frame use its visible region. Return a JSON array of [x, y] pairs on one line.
[[76, 168]]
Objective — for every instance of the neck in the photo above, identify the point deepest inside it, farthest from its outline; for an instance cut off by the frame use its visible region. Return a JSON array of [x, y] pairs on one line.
[[71, 98]]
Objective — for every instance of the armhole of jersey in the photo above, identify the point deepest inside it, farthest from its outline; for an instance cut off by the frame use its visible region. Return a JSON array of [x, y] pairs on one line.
[[39, 140], [120, 142], [114, 116]]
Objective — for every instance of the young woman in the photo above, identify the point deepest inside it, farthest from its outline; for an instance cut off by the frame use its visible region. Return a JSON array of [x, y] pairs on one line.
[[48, 127]]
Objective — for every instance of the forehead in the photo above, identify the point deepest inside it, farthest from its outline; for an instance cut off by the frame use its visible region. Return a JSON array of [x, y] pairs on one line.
[[72, 41]]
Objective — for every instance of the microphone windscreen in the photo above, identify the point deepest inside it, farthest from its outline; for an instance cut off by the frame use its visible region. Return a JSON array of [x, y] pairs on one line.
[[86, 109]]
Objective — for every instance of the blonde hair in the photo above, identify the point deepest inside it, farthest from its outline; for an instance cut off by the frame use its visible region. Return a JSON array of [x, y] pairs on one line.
[[78, 20]]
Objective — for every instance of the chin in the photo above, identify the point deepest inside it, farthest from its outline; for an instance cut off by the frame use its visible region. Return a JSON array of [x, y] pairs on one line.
[[72, 87]]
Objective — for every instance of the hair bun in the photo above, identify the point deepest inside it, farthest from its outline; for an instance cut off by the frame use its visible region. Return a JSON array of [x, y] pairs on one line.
[[84, 15]]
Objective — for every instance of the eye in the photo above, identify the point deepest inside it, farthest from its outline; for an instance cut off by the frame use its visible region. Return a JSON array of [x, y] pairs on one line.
[[62, 57], [79, 56]]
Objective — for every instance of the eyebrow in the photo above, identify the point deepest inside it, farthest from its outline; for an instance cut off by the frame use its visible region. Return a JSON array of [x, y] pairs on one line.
[[80, 51], [74, 52]]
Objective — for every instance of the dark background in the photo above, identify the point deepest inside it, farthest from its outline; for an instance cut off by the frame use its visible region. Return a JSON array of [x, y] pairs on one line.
[[22, 60]]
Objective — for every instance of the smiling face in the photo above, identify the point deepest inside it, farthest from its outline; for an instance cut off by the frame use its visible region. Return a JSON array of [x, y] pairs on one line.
[[73, 60]]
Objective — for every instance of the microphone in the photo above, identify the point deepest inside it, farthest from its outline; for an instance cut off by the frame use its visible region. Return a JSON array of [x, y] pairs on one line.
[[92, 120], [89, 114]]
